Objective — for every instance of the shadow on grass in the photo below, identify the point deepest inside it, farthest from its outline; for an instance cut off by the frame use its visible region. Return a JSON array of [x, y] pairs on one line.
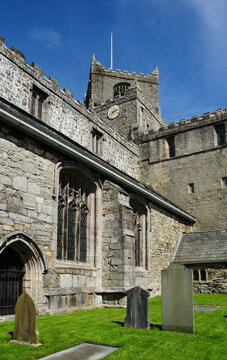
[[11, 335], [156, 326], [151, 325], [119, 323]]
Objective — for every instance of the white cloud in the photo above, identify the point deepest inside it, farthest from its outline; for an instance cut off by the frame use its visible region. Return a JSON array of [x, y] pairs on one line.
[[212, 15], [48, 36]]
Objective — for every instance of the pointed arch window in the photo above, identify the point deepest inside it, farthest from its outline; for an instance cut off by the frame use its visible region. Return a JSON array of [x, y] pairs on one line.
[[140, 231], [74, 201]]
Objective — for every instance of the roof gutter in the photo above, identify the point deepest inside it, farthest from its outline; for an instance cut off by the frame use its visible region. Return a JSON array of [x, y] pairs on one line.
[[123, 179]]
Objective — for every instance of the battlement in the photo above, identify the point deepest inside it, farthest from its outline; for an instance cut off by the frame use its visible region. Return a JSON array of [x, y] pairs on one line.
[[216, 115], [97, 67], [37, 72]]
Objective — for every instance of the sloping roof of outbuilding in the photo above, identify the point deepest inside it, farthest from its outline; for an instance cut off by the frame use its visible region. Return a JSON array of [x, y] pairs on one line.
[[202, 247]]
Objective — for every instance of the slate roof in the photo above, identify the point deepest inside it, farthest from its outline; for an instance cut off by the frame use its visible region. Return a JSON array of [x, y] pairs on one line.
[[202, 247]]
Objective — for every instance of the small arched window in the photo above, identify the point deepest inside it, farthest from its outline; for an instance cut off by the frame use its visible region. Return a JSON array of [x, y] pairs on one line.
[[120, 89], [74, 203]]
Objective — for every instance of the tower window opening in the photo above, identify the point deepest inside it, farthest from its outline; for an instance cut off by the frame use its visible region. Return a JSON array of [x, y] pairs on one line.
[[224, 182], [171, 146], [120, 89], [220, 134], [191, 188]]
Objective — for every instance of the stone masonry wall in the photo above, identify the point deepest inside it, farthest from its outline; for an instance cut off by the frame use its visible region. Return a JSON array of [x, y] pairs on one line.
[[131, 119], [118, 239], [166, 231], [102, 82], [119, 271], [194, 177], [62, 112], [27, 206]]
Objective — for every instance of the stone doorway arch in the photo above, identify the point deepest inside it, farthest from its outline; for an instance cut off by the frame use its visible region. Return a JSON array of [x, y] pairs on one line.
[[21, 266]]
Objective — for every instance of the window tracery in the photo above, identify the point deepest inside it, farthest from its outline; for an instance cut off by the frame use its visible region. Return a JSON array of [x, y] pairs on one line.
[[73, 212]]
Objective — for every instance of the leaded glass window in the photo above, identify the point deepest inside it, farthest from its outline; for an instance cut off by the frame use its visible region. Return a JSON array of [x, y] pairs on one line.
[[73, 211]]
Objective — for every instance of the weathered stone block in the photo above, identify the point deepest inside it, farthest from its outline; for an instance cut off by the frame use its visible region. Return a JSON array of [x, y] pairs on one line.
[[20, 183], [177, 299], [29, 201], [137, 309], [33, 188], [66, 280], [26, 320]]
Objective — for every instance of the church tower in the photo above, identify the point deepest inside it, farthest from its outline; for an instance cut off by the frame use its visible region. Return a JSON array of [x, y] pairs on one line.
[[126, 100]]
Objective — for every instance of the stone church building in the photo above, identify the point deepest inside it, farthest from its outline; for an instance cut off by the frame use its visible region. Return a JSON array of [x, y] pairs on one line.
[[99, 196]]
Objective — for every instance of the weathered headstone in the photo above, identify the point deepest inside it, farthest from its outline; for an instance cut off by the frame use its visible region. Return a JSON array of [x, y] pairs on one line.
[[26, 329], [177, 299], [137, 309]]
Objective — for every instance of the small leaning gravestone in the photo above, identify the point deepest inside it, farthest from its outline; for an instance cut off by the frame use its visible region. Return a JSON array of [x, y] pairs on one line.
[[177, 299], [26, 329], [137, 309]]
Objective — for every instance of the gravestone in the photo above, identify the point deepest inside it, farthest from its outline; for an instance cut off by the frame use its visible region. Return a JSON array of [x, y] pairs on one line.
[[177, 299], [137, 309], [26, 329]]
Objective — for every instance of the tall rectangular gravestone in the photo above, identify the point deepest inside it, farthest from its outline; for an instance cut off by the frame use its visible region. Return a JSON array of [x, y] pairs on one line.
[[26, 329], [137, 309], [177, 299]]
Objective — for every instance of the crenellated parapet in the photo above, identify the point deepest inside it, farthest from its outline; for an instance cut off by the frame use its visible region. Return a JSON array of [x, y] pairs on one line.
[[97, 67], [22, 82], [194, 121], [17, 57]]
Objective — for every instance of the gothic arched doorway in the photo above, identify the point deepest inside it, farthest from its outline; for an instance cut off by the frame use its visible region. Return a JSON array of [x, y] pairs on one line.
[[11, 283], [21, 267]]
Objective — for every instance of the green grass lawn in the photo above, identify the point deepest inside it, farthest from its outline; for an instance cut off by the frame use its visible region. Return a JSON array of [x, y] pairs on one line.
[[104, 326]]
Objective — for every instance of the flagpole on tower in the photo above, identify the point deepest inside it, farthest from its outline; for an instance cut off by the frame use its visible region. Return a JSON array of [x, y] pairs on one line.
[[111, 51]]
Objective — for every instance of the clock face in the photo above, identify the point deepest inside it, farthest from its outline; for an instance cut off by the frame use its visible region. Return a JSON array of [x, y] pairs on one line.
[[113, 112]]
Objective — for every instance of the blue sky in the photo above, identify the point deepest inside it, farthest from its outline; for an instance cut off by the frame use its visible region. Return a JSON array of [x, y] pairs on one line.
[[185, 38]]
